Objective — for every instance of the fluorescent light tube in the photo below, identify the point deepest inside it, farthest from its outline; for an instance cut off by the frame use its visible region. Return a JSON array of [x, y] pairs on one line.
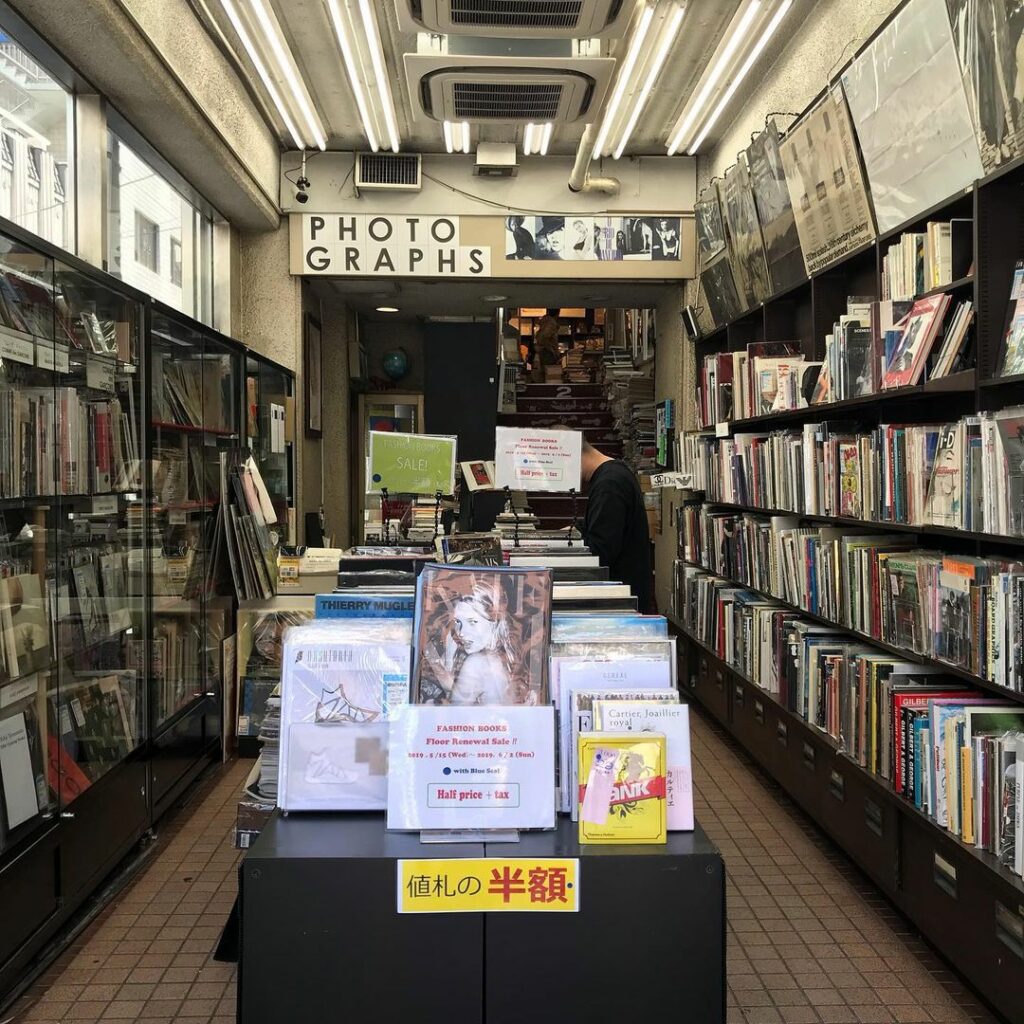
[[741, 74], [625, 72], [287, 65], [257, 62], [352, 68], [465, 136], [716, 73], [528, 133], [377, 59], [448, 142], [546, 138], [668, 37]]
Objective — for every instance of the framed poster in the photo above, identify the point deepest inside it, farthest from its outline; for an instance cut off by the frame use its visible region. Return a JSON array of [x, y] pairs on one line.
[[311, 365]]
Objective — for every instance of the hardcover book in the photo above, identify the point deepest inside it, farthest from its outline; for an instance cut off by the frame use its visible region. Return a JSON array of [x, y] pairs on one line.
[[622, 788]]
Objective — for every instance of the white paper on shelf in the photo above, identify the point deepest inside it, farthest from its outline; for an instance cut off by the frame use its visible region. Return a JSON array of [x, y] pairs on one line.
[[20, 798]]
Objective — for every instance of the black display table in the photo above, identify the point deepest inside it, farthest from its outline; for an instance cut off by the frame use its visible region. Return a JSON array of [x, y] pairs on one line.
[[322, 941]]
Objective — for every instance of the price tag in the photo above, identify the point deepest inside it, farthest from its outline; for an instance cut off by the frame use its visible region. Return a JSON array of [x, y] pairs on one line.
[[18, 347], [177, 569], [104, 505], [287, 567], [488, 884], [99, 372]]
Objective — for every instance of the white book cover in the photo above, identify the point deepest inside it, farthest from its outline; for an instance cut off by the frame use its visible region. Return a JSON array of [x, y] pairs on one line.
[[336, 698], [19, 784], [673, 720]]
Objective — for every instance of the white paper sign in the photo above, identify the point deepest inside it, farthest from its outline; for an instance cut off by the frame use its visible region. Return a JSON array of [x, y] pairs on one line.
[[99, 372], [537, 460], [20, 798], [472, 767], [17, 347], [52, 355]]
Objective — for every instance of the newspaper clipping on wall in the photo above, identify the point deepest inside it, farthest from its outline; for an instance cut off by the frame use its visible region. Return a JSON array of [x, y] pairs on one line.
[[826, 186]]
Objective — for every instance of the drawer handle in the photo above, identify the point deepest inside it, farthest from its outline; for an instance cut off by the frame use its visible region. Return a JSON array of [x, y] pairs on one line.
[[719, 680], [837, 785], [1010, 930], [873, 816], [945, 875], [782, 733], [809, 755], [738, 694], [759, 711], [703, 664]]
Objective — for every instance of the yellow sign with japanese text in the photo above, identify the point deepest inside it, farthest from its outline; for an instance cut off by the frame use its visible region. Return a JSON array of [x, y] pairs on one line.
[[488, 884]]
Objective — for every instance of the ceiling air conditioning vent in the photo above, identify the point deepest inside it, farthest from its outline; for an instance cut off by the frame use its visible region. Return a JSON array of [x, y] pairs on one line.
[[575, 18], [515, 94], [388, 171]]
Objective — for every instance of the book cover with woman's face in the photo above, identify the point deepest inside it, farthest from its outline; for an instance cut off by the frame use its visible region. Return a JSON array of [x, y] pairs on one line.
[[482, 636]]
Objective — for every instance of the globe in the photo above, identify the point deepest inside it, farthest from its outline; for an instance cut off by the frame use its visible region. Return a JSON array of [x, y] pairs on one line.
[[395, 363]]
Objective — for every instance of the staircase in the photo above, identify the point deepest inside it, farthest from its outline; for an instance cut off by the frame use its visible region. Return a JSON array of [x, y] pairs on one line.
[[582, 407]]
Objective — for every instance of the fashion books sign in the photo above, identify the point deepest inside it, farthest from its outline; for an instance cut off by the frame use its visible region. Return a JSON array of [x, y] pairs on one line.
[[365, 244], [488, 884], [471, 767], [537, 460]]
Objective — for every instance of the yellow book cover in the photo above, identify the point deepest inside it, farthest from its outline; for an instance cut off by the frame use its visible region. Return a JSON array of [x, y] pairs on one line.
[[622, 788], [967, 793]]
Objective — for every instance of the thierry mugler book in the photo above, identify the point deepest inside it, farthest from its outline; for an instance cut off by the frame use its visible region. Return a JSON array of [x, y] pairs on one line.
[[482, 635]]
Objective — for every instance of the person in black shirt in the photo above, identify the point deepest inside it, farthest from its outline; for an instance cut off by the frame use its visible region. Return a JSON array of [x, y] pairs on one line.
[[615, 525]]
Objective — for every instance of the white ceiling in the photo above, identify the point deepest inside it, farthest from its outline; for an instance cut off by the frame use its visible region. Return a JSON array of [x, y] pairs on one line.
[[308, 32]]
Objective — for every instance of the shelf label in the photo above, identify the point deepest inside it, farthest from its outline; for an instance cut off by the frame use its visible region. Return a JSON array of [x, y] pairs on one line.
[[19, 348], [722, 429], [177, 517], [681, 480], [52, 355], [99, 372], [19, 690], [489, 884], [104, 505], [177, 569]]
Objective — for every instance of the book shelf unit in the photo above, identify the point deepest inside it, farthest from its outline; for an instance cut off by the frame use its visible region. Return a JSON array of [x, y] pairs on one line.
[[95, 743], [961, 898]]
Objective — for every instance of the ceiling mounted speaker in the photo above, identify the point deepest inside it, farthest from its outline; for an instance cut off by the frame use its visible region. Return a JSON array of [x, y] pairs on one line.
[[573, 18], [516, 90]]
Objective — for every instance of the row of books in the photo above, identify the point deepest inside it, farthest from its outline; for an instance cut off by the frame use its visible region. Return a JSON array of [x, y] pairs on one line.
[[920, 261], [964, 611], [55, 441], [952, 752], [965, 475], [630, 395], [194, 392]]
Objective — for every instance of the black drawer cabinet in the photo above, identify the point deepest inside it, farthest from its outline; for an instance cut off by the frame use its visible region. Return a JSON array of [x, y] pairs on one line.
[[752, 721]]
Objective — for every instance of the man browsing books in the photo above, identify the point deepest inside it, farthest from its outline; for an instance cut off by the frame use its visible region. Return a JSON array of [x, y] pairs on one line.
[[615, 525]]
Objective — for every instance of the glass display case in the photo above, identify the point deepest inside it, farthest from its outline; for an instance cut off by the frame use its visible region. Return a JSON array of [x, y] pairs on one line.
[[195, 379], [270, 434]]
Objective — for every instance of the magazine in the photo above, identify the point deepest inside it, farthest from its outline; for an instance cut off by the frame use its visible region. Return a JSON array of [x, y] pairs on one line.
[[922, 325], [482, 635]]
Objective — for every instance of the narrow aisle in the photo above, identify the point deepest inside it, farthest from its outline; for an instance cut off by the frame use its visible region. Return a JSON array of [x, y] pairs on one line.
[[149, 954], [810, 938]]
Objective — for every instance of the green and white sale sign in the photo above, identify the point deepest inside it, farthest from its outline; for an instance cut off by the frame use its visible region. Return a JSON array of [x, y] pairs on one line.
[[411, 463]]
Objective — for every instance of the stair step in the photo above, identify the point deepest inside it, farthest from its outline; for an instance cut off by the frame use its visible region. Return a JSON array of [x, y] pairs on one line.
[[588, 421], [560, 390], [561, 406]]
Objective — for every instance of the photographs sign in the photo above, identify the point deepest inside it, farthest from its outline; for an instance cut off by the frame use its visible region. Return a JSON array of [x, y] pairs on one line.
[[377, 245], [411, 463], [826, 186], [592, 238], [471, 767]]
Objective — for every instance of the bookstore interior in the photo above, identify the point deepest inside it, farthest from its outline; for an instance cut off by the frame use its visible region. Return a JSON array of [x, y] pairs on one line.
[[362, 579]]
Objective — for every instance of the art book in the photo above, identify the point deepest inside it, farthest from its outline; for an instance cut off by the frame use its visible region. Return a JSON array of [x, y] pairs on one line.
[[641, 716], [1013, 338], [622, 789], [922, 325], [478, 475], [340, 682], [482, 635]]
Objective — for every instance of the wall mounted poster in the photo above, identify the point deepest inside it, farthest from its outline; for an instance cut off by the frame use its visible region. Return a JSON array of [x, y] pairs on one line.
[[719, 287], [774, 210], [908, 103], [744, 234], [707, 214], [411, 463], [537, 460], [575, 239], [988, 39], [826, 185], [472, 768]]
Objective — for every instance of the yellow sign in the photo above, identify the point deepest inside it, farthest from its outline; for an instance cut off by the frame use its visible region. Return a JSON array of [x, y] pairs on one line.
[[490, 884]]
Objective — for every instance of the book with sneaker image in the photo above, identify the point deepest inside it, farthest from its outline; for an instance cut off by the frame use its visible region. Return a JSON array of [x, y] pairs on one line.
[[340, 681]]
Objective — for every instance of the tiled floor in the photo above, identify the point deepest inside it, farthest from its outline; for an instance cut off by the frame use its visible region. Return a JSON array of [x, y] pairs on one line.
[[809, 939]]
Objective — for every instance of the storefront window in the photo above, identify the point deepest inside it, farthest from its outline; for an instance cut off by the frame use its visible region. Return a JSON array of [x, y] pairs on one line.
[[159, 241], [35, 147]]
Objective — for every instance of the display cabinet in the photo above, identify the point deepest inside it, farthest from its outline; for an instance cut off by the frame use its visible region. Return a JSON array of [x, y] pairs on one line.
[[270, 434], [73, 696], [195, 386]]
